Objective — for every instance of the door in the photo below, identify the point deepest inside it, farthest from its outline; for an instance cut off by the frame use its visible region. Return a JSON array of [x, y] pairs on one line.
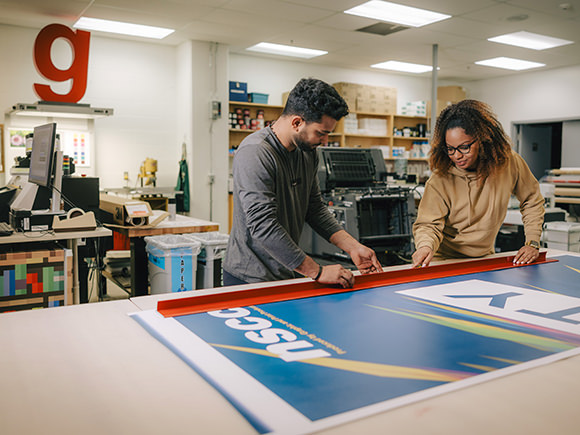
[[536, 145]]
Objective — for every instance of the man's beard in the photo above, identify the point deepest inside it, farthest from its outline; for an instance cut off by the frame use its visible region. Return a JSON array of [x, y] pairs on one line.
[[304, 145]]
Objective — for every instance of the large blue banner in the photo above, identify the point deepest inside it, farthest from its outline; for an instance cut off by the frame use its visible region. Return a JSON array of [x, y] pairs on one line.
[[321, 360]]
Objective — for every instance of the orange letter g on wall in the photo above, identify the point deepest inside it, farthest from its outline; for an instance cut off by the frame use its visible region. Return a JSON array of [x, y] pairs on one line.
[[77, 72]]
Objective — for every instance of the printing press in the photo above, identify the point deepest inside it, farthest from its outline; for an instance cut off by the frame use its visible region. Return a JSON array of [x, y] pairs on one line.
[[376, 213]]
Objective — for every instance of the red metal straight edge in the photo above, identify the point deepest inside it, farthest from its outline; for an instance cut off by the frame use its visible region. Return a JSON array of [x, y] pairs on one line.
[[285, 292]]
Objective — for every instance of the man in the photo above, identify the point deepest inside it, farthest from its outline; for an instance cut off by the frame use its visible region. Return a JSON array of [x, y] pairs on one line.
[[276, 191]]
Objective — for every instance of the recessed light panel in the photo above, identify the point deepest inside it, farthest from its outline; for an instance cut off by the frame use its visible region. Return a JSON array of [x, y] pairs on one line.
[[403, 66], [286, 50], [122, 28], [395, 13], [530, 40], [509, 63]]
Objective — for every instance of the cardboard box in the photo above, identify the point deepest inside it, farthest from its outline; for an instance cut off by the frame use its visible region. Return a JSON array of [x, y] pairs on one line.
[[238, 91], [126, 211], [348, 91], [366, 98], [451, 93]]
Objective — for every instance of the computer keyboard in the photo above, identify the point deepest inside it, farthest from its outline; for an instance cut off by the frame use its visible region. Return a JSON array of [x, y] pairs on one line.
[[5, 229]]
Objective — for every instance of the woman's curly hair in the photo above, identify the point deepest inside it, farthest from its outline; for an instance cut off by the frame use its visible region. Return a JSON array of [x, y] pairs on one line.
[[479, 122]]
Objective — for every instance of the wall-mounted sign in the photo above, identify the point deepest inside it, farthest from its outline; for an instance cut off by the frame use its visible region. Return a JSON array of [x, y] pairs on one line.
[[77, 72]]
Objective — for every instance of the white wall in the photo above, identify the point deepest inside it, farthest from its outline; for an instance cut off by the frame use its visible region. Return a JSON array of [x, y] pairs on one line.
[[136, 79], [541, 95], [209, 145]]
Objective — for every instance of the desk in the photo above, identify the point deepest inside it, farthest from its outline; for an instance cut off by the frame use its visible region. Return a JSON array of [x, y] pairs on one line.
[[91, 369], [72, 238], [139, 266]]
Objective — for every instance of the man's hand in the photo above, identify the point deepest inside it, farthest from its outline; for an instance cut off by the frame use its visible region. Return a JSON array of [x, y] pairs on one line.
[[362, 256], [365, 259], [336, 274], [333, 274], [422, 256]]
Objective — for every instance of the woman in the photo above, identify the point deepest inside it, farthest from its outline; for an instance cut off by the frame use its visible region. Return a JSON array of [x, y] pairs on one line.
[[475, 172]]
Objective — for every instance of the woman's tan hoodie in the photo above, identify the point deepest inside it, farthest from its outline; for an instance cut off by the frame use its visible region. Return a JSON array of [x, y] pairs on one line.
[[460, 217]]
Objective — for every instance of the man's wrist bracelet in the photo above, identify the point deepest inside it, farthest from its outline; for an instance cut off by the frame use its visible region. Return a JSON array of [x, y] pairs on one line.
[[319, 273]]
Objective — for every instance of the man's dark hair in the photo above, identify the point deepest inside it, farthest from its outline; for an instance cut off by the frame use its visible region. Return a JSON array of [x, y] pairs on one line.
[[313, 98]]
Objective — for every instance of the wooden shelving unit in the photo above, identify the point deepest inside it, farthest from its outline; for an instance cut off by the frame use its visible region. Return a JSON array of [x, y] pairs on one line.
[[356, 140], [271, 113]]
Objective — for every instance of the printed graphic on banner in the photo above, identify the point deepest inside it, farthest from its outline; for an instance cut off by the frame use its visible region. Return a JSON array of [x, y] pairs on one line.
[[550, 310], [316, 362]]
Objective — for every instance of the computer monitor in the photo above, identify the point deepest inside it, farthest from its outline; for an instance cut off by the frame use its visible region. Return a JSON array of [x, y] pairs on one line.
[[42, 156]]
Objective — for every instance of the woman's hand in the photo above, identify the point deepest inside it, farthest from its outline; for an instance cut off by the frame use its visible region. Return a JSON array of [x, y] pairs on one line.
[[526, 255], [422, 256]]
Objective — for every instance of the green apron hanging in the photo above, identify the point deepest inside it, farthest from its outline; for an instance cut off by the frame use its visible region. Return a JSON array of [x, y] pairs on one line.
[[183, 185]]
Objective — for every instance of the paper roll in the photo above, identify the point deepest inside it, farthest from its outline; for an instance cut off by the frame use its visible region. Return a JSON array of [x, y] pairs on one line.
[[136, 221]]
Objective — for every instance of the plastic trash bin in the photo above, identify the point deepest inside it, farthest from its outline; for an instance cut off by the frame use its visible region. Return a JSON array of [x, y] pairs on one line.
[[172, 262], [209, 260]]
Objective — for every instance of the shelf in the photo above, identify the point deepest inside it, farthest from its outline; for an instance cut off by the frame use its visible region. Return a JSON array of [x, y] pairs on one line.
[[411, 138], [270, 112], [248, 104], [412, 117], [414, 159], [365, 135], [239, 130]]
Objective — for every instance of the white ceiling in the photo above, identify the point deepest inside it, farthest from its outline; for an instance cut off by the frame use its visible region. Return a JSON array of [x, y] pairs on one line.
[[321, 24]]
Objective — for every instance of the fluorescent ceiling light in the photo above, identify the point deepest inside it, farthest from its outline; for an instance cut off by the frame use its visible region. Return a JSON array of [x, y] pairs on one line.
[[530, 40], [509, 63], [394, 13], [403, 66], [286, 50], [122, 28]]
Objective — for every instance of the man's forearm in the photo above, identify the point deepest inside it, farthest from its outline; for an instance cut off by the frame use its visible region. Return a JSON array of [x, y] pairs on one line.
[[309, 268], [343, 240]]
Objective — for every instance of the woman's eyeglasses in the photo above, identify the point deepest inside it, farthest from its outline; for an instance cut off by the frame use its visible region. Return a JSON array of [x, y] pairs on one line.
[[463, 149]]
